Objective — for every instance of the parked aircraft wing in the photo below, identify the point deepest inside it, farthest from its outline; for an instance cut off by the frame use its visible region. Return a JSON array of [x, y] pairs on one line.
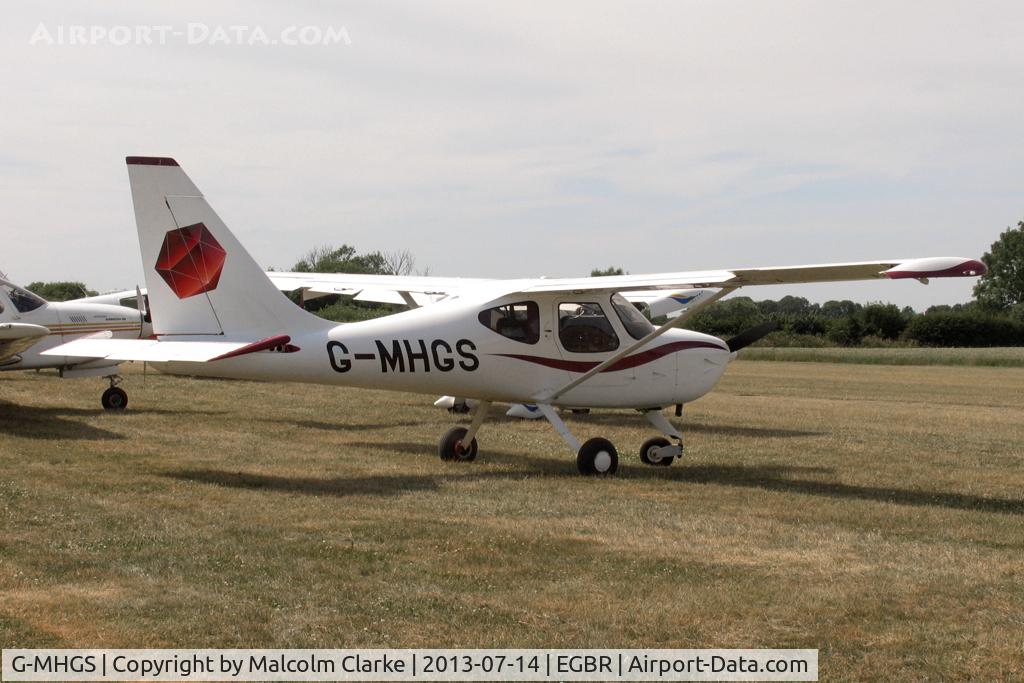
[[377, 288], [18, 337]]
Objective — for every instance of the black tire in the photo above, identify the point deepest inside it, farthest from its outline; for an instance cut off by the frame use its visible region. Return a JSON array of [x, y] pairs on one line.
[[114, 398], [451, 447], [651, 444], [597, 457]]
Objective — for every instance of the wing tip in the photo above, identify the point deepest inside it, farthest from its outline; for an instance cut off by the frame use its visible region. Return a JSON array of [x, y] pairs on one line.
[[928, 268]]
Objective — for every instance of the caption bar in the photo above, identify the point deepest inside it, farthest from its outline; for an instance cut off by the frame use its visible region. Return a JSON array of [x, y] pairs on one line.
[[410, 665]]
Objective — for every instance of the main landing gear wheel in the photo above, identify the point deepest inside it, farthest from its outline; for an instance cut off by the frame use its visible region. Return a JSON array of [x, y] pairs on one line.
[[114, 398], [452, 448], [597, 457], [648, 452]]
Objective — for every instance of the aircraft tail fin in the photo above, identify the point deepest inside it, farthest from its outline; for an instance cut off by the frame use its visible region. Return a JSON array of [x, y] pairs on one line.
[[200, 279]]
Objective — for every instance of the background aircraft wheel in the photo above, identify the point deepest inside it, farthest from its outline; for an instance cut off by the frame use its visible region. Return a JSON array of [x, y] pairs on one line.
[[452, 448], [114, 398], [597, 457], [651, 445]]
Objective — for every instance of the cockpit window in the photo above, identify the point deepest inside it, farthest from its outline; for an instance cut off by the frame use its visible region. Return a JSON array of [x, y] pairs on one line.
[[633, 320], [584, 328], [519, 321], [22, 299]]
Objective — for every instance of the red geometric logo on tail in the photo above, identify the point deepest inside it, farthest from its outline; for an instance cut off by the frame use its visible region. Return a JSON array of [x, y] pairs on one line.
[[190, 260]]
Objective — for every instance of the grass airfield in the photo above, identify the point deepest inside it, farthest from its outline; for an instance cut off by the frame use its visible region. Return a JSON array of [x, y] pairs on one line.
[[873, 512]]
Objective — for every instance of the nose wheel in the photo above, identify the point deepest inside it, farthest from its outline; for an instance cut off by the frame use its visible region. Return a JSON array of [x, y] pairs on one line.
[[114, 398], [660, 451], [651, 452]]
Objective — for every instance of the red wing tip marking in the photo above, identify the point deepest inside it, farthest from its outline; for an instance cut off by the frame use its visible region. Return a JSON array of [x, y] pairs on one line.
[[971, 268], [150, 161]]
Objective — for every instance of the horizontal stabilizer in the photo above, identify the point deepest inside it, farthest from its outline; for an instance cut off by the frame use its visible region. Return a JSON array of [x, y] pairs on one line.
[[156, 351]]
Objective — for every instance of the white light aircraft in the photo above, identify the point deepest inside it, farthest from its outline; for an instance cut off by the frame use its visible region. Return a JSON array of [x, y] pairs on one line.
[[548, 342], [31, 326], [414, 291]]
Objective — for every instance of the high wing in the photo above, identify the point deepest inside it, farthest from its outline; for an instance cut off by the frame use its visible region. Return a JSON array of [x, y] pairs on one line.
[[894, 269], [423, 290], [18, 337]]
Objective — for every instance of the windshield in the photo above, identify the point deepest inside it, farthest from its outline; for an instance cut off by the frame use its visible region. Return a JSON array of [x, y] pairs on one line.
[[633, 320], [22, 299]]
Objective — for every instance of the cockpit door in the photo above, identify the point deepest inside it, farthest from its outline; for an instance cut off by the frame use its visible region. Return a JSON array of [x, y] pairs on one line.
[[586, 335]]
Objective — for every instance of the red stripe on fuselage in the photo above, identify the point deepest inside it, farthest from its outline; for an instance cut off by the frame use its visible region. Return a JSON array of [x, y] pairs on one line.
[[626, 363]]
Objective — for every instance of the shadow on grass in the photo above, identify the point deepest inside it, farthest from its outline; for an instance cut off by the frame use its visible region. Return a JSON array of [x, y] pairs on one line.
[[527, 465], [373, 485], [346, 426], [47, 422], [50, 423], [778, 478], [637, 420], [773, 478]]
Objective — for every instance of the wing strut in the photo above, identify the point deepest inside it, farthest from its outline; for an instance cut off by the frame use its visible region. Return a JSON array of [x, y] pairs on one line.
[[673, 323]]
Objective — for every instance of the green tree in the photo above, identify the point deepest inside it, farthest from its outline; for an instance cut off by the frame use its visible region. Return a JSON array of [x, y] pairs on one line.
[[343, 259], [60, 291], [845, 331], [840, 309], [728, 317], [610, 270], [883, 320], [1003, 285]]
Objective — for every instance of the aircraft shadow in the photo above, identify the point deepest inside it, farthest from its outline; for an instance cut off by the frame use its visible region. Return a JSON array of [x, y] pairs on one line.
[[778, 478], [50, 423], [527, 464], [341, 487], [619, 420], [773, 478], [346, 427]]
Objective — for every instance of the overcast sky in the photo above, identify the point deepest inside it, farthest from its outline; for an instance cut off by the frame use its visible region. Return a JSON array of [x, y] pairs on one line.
[[528, 138]]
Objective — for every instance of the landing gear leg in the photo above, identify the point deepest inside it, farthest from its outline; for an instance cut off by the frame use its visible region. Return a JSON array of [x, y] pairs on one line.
[[595, 457], [114, 398], [459, 443], [659, 450]]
